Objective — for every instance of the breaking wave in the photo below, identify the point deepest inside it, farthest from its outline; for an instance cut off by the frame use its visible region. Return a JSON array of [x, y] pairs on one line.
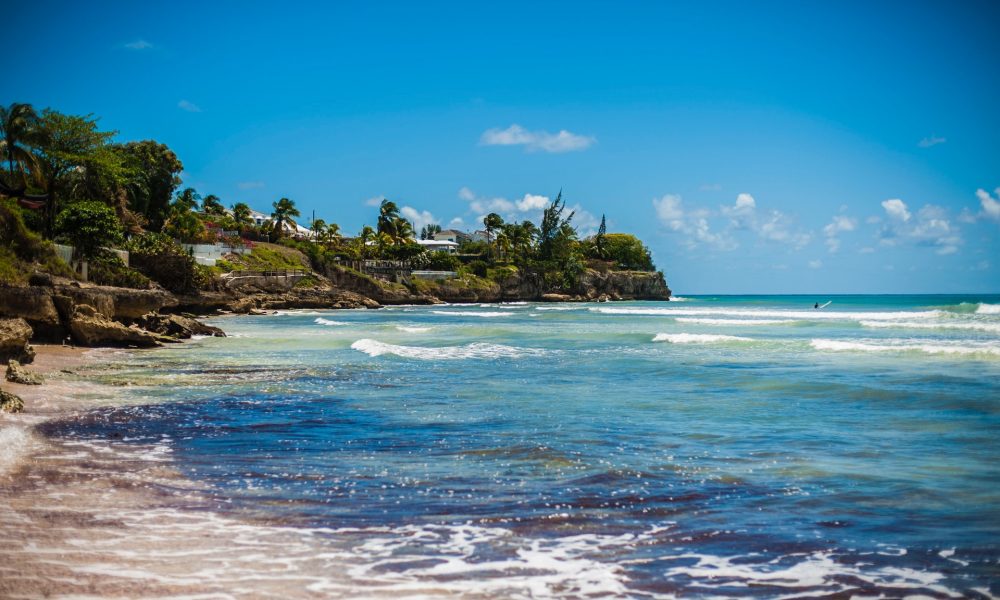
[[472, 313], [988, 327], [698, 338], [328, 322], [469, 351], [408, 329], [988, 309], [928, 347], [801, 315], [735, 322]]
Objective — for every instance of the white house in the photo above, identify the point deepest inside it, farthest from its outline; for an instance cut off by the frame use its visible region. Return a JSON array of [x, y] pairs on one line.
[[451, 235], [438, 246], [479, 236]]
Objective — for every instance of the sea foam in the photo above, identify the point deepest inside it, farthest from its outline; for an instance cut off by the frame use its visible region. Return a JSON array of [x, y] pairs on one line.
[[734, 322], [469, 351], [988, 309], [799, 315], [472, 313], [926, 347], [958, 326], [698, 338], [328, 322]]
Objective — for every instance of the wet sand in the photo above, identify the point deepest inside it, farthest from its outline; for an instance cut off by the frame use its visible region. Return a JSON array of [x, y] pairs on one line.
[[110, 519]]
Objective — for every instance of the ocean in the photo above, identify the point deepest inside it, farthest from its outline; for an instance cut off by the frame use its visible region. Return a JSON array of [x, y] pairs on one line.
[[716, 446]]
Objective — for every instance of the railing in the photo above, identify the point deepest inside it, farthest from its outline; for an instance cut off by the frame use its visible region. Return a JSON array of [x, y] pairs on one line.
[[285, 273]]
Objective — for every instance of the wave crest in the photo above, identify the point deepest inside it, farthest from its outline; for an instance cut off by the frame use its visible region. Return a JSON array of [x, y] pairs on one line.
[[328, 322], [472, 313], [698, 338], [988, 309], [470, 351], [930, 347]]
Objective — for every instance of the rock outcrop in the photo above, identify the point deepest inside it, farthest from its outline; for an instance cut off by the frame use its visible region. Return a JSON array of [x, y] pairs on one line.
[[177, 326], [91, 328], [18, 374], [14, 337], [34, 305], [10, 403]]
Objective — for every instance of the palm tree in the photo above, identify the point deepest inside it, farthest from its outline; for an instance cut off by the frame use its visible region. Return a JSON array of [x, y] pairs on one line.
[[211, 205], [492, 222], [388, 217], [284, 210], [366, 235], [17, 127], [241, 214]]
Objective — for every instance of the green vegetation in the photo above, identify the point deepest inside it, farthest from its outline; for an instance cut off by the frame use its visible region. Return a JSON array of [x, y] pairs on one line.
[[62, 175]]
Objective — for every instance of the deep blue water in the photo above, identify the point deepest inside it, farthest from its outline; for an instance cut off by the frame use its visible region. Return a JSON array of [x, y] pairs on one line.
[[712, 446]]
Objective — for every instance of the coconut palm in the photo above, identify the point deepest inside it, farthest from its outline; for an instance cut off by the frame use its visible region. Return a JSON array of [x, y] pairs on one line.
[[17, 126], [241, 214], [211, 205], [491, 222], [284, 210], [366, 235]]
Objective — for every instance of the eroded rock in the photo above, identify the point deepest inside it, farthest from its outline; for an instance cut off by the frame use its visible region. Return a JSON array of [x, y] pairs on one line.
[[10, 402], [14, 337], [18, 374], [91, 328]]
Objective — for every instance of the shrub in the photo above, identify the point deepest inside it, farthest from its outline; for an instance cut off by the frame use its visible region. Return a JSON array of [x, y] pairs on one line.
[[161, 259], [89, 226], [442, 261], [106, 268], [479, 268]]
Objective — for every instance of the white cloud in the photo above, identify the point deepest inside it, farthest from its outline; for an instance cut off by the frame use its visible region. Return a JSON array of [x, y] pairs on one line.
[[931, 227], [693, 224], [138, 45], [515, 135], [188, 106], [250, 185], [532, 202], [456, 222], [815, 264], [991, 206], [933, 140], [838, 225], [779, 228], [896, 209], [374, 201], [419, 218]]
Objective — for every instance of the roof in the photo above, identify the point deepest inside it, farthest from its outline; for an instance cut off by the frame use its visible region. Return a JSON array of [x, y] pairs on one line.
[[436, 243]]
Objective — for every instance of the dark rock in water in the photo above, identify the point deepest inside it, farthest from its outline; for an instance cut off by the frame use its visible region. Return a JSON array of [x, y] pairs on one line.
[[177, 326], [14, 336], [18, 374], [10, 403], [90, 328]]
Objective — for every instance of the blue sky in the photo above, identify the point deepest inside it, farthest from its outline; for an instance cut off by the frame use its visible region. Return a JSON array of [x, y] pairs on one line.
[[756, 147]]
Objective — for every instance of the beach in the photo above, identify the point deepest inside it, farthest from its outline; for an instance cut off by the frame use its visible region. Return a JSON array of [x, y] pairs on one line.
[[519, 450]]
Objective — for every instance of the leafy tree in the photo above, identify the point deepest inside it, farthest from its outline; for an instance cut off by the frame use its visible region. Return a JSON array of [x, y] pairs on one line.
[[284, 210], [599, 239], [555, 230], [211, 205], [242, 215], [628, 252], [428, 231], [156, 172], [63, 143], [18, 124], [88, 226]]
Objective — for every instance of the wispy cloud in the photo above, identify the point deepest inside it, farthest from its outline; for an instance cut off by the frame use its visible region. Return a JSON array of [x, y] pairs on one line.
[[188, 106], [838, 225], [991, 206], [710, 187], [250, 185], [692, 224], [529, 206], [815, 264], [138, 45], [374, 200], [515, 135], [933, 140], [419, 218], [929, 227]]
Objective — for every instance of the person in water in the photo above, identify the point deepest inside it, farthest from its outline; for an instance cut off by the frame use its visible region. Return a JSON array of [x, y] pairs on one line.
[[816, 305]]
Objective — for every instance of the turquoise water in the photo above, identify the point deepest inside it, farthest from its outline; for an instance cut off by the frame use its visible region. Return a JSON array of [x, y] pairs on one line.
[[726, 446]]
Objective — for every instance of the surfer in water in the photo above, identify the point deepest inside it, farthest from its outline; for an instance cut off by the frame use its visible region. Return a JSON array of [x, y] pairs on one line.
[[816, 305]]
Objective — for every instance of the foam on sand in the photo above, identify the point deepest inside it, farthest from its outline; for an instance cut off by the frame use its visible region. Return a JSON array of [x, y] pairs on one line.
[[926, 347], [698, 338], [469, 351], [16, 442]]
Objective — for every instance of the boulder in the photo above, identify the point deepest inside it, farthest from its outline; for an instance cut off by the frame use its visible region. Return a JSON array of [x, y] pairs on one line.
[[556, 298], [10, 403], [34, 305], [177, 326], [18, 374], [91, 328], [14, 336]]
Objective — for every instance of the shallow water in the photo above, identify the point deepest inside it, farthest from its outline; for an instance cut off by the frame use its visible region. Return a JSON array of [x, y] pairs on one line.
[[728, 446]]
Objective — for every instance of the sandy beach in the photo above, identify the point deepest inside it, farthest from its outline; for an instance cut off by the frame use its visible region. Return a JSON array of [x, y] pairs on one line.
[[105, 519]]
